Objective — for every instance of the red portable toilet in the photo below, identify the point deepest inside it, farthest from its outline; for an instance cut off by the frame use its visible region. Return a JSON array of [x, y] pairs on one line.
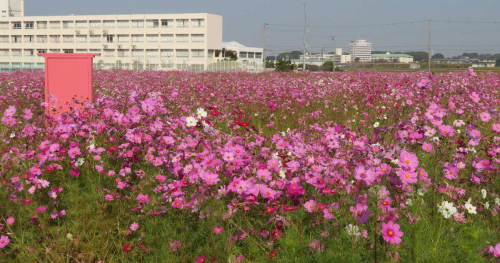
[[68, 78]]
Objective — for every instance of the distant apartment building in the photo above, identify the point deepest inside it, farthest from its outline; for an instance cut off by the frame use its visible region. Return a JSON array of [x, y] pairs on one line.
[[246, 55], [476, 63], [360, 49], [138, 41], [337, 57], [11, 8], [394, 58]]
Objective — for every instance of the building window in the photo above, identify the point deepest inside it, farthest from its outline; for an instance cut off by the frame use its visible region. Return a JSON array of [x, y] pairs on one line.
[[55, 24], [81, 39], [29, 52], [95, 24], [41, 25], [4, 25], [123, 24], [42, 51], [95, 51], [110, 39], [167, 23], [197, 53], [137, 53], [137, 38], [123, 38], [28, 25], [167, 38], [137, 23], [109, 52], [250, 55], [16, 25], [68, 39], [182, 37], [152, 53], [198, 22], [95, 39], [68, 24], [4, 39], [167, 53], [210, 53], [68, 51], [243, 54], [152, 38], [109, 24], [182, 53], [152, 23], [29, 39], [81, 24], [16, 39], [81, 51], [123, 53], [258, 55], [41, 39], [182, 22], [16, 52], [199, 38], [4, 52]]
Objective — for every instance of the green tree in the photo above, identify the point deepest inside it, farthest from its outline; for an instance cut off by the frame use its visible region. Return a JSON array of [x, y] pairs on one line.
[[438, 56]]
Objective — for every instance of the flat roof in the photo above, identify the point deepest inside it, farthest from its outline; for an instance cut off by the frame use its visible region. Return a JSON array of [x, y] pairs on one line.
[[391, 55], [90, 17]]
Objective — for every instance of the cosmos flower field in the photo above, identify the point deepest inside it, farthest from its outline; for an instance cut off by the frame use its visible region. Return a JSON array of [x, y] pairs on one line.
[[237, 167]]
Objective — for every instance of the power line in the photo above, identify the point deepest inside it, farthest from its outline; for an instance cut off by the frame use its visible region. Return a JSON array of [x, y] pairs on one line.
[[467, 22], [373, 25]]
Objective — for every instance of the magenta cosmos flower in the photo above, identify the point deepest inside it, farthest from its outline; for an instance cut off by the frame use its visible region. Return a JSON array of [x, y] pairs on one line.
[[391, 233], [218, 230], [407, 176], [142, 199]]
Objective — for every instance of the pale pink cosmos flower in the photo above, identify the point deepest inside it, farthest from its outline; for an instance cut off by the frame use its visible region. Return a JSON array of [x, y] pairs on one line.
[[485, 116], [10, 220], [134, 226], [4, 241]]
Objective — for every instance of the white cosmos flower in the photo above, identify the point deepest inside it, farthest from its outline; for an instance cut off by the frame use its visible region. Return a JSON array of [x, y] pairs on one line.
[[447, 209], [470, 208], [487, 205], [191, 121], [376, 124], [282, 174], [79, 162], [497, 201], [353, 230], [483, 193], [201, 113], [12, 135]]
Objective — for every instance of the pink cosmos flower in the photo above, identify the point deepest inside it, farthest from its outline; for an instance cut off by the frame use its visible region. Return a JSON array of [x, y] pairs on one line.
[[391, 233], [210, 178], [108, 198], [134, 226], [495, 250], [408, 160], [496, 127], [264, 174], [310, 206], [485, 116], [142, 199], [447, 130], [407, 176], [218, 230], [427, 147], [4, 241], [41, 209], [10, 220], [74, 152], [364, 175]]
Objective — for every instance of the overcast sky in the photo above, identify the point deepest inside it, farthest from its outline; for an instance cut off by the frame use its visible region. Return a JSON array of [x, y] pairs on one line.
[[243, 21]]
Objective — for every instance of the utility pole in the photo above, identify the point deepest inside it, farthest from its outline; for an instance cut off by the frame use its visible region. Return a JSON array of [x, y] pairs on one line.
[[334, 38], [429, 46], [322, 52], [265, 42], [305, 41]]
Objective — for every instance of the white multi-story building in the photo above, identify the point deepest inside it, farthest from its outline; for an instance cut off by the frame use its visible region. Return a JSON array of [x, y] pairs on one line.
[[338, 57], [246, 55], [140, 41], [360, 49], [10, 8], [395, 58]]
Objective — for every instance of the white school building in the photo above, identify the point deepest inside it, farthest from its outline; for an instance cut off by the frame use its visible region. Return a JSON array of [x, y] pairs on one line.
[[138, 41]]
